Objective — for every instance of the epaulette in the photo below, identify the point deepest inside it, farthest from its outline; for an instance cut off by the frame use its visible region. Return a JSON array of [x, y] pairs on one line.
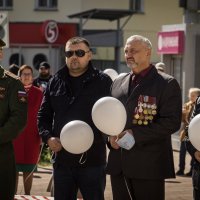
[[11, 75]]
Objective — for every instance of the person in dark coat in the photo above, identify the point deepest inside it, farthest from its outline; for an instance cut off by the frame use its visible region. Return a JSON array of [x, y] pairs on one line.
[[44, 76], [195, 155], [70, 95], [14, 69], [154, 106], [13, 114]]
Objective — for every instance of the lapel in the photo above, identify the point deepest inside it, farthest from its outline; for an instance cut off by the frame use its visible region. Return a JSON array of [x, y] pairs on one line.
[[125, 85]]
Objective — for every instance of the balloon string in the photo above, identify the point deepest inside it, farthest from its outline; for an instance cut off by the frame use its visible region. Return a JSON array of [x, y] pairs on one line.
[[53, 157], [128, 189], [82, 156]]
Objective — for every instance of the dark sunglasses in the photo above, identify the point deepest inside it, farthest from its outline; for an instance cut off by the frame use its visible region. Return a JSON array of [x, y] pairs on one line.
[[79, 53]]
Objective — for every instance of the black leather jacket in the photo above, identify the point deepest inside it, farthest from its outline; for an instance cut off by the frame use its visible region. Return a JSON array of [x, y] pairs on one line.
[[62, 105]]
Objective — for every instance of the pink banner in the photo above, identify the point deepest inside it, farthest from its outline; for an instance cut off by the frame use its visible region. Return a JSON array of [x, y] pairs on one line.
[[171, 42]]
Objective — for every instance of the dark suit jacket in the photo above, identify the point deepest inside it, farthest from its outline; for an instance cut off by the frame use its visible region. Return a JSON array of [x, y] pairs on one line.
[[151, 157]]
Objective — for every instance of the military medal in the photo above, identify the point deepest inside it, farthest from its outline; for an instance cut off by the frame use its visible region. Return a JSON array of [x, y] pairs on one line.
[[153, 106], [150, 117], [140, 109], [154, 112], [134, 121], [136, 116], [141, 117], [149, 111], [145, 111], [145, 122]]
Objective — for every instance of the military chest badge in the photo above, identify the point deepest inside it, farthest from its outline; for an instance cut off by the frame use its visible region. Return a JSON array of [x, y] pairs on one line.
[[22, 96], [145, 111], [2, 92]]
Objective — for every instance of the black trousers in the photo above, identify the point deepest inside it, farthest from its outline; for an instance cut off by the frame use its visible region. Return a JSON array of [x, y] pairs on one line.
[[182, 156], [7, 179], [137, 189], [196, 182]]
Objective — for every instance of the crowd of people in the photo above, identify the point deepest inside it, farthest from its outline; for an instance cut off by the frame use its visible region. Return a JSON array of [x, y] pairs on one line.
[[34, 110]]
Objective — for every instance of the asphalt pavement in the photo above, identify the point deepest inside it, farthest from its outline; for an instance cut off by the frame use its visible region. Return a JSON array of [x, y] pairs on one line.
[[176, 189]]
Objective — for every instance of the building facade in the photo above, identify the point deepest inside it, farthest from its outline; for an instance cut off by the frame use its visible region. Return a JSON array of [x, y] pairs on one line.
[[28, 20]]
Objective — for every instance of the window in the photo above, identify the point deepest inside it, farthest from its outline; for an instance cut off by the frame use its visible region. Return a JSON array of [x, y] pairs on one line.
[[137, 6], [46, 4], [6, 4], [17, 59], [38, 58]]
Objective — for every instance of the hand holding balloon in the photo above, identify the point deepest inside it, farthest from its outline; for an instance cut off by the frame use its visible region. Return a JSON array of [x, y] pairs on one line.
[[54, 144], [113, 142]]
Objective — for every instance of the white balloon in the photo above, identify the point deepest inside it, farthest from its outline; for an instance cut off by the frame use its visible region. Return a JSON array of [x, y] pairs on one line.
[[111, 72], [109, 115], [194, 132], [121, 74], [76, 137]]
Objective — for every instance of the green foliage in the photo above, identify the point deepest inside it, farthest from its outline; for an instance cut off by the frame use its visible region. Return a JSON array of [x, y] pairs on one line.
[[45, 156]]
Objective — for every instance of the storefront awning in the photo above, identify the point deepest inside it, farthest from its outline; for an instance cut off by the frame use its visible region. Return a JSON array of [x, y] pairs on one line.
[[103, 14]]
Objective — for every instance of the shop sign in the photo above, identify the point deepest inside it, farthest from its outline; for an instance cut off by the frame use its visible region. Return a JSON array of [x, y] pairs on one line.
[[170, 42], [50, 31]]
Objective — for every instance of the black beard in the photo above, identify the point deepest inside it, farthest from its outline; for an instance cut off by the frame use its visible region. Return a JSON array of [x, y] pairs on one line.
[[44, 76]]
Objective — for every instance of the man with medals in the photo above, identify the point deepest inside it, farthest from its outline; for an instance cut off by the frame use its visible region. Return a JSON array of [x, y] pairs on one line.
[[153, 104]]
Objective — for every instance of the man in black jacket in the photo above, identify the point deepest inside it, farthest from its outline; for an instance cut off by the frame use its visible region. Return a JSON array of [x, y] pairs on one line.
[[70, 95], [153, 104], [195, 155]]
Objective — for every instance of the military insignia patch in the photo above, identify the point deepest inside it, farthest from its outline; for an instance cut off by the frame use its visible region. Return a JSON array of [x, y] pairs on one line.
[[22, 96], [2, 92]]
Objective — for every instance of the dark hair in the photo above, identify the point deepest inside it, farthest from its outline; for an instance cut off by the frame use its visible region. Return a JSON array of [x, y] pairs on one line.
[[14, 69], [22, 68], [45, 64], [77, 40], [2, 43]]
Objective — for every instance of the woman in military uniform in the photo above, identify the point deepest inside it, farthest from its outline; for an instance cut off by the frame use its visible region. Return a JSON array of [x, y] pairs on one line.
[[13, 114]]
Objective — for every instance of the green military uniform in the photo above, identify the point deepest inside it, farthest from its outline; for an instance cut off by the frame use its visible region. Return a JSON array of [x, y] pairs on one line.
[[13, 114]]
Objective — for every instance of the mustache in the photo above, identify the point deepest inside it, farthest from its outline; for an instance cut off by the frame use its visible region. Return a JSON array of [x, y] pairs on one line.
[[132, 61]]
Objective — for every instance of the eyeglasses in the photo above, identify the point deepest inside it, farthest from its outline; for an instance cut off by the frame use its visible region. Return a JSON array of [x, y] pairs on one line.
[[26, 74], [79, 53]]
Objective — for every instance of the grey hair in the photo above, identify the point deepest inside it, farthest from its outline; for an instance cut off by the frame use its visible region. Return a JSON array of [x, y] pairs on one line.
[[141, 39], [194, 90]]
